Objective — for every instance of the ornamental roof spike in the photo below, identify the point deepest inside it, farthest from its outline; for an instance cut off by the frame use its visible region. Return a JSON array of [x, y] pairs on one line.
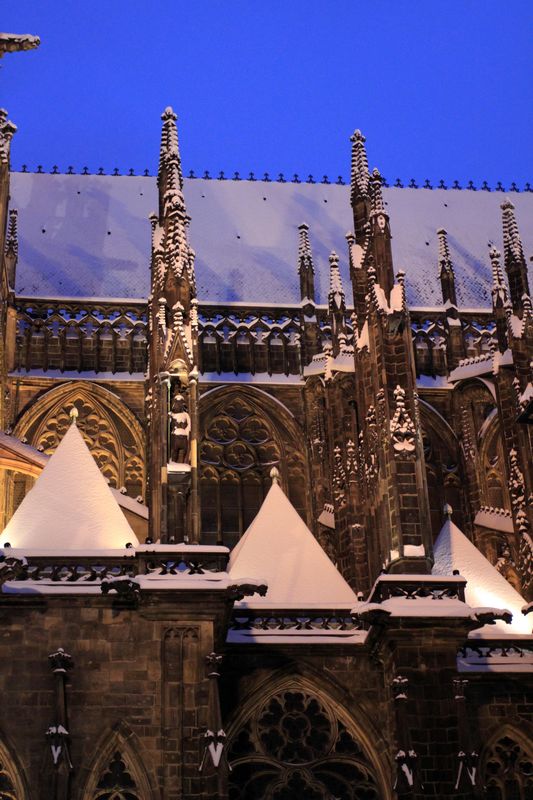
[[512, 242], [169, 155], [359, 166], [499, 289], [336, 297], [376, 182], [445, 259]]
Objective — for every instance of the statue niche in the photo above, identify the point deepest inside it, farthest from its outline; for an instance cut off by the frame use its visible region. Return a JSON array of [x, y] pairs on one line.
[[180, 429]]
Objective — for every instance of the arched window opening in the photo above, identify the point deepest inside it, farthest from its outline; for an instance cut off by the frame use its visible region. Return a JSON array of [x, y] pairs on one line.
[[240, 443], [116, 783], [508, 771], [294, 746], [11, 785]]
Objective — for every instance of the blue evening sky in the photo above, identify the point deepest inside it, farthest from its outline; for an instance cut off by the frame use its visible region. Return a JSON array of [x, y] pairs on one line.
[[440, 88]]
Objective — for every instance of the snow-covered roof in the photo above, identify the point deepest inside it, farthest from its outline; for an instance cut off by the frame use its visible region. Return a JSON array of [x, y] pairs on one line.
[[485, 587], [89, 235], [70, 507], [279, 548]]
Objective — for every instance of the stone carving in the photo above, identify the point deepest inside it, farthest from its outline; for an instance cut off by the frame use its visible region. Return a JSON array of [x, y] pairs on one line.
[[508, 772], [114, 439], [180, 430], [402, 429], [117, 783], [295, 746]]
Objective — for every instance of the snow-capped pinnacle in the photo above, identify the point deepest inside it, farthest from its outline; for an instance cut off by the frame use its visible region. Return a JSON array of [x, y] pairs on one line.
[[70, 507], [279, 548], [485, 587]]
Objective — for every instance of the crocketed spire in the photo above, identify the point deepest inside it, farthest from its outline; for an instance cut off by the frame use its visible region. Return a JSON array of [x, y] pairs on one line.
[[170, 177], [359, 172], [336, 298], [446, 271], [12, 246], [500, 300], [306, 269], [376, 195], [514, 260]]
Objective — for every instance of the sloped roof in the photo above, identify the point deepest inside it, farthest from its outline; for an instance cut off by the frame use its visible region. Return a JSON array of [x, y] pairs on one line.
[[70, 507], [88, 235], [279, 548], [485, 587]]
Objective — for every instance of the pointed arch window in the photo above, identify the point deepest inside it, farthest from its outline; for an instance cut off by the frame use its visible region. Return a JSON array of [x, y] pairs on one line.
[[117, 783], [508, 770], [11, 785], [295, 746]]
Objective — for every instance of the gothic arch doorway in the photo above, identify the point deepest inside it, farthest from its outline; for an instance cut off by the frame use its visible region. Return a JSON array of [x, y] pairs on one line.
[[298, 743]]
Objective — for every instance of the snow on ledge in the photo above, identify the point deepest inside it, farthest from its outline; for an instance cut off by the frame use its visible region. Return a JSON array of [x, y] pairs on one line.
[[498, 519]]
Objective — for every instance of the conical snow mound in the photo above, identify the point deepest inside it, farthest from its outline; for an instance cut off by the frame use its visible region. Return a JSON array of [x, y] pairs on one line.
[[486, 587], [70, 507], [279, 548]]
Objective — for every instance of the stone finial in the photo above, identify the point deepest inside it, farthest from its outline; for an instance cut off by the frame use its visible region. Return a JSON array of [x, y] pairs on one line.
[[73, 414], [274, 474], [448, 511], [60, 661]]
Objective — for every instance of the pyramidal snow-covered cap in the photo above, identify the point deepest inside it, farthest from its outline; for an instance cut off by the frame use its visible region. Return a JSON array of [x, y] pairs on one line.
[[485, 587], [70, 507], [279, 548]]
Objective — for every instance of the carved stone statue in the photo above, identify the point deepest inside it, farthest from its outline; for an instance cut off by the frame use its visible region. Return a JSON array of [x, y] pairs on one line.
[[180, 430]]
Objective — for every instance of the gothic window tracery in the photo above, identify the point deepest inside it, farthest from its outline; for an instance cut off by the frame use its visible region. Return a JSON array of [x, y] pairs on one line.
[[239, 446], [11, 786], [508, 771], [294, 746], [114, 438], [116, 782]]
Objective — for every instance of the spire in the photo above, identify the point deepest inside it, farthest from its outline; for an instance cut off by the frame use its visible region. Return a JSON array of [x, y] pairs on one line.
[[170, 177], [513, 253], [359, 196], [336, 298], [70, 507], [306, 269], [359, 171], [376, 195], [12, 246], [446, 271]]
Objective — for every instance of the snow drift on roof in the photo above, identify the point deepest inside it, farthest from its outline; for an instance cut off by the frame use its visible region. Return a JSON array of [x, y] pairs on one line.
[[279, 548], [89, 235], [485, 586], [70, 507]]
